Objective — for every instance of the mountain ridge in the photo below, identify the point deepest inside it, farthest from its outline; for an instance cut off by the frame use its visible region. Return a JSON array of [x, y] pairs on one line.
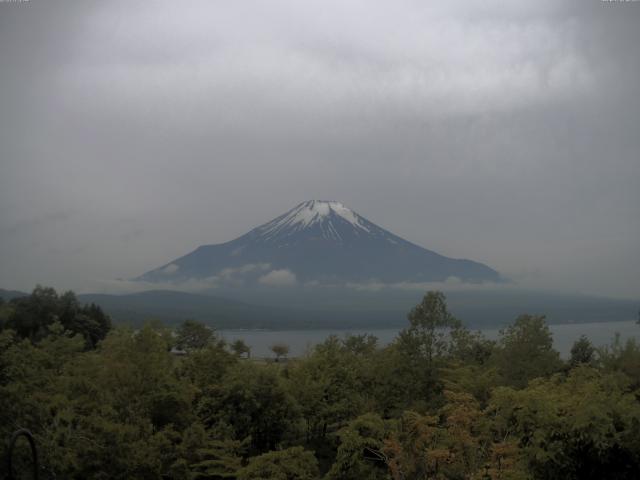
[[321, 308], [343, 308]]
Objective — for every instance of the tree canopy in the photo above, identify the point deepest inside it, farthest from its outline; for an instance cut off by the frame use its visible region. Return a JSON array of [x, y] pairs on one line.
[[440, 402], [32, 316]]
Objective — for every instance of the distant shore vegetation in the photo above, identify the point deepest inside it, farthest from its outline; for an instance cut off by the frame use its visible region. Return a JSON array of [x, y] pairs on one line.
[[440, 402]]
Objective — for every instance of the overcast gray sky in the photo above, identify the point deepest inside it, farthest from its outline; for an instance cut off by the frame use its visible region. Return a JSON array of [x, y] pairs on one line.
[[502, 131]]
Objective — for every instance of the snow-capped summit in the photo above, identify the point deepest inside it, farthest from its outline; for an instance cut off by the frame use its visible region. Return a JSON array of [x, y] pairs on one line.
[[326, 219], [310, 213], [318, 241]]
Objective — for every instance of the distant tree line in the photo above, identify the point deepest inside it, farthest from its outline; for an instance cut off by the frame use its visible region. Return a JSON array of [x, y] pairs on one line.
[[440, 402], [37, 315]]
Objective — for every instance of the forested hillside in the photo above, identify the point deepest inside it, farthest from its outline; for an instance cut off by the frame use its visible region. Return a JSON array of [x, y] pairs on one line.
[[440, 402]]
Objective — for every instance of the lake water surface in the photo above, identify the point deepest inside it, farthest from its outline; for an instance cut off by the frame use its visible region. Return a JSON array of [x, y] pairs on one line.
[[301, 341]]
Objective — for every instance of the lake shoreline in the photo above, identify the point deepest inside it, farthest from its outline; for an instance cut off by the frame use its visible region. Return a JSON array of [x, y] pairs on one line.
[[301, 341]]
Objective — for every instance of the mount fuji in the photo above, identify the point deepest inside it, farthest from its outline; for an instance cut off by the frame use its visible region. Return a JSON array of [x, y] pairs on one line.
[[317, 242]]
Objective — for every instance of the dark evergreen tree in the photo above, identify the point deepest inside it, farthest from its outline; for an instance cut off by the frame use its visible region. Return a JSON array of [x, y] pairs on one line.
[[582, 352], [32, 316]]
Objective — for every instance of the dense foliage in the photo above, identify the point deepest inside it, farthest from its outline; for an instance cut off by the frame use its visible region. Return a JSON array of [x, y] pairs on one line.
[[34, 316], [440, 402]]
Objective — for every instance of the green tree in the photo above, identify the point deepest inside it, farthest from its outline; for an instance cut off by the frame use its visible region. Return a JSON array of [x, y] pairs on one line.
[[525, 351], [470, 348], [359, 453], [206, 367], [34, 313], [202, 456], [239, 347], [622, 357], [193, 335], [116, 412], [6, 311], [32, 316], [581, 426], [582, 352], [429, 324], [327, 386], [252, 401], [280, 350], [291, 464], [28, 375], [362, 345], [423, 347]]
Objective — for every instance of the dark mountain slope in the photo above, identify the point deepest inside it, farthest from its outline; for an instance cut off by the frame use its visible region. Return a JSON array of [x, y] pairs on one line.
[[9, 294], [340, 308]]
